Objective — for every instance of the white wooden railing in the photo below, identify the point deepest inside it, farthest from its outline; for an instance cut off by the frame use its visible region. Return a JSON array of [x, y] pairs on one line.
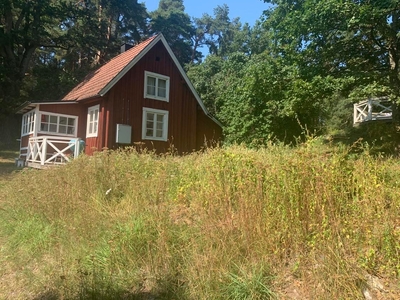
[[372, 110], [52, 150]]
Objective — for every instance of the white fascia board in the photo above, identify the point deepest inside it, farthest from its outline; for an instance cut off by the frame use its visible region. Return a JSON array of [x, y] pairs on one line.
[[25, 106], [178, 65], [188, 82]]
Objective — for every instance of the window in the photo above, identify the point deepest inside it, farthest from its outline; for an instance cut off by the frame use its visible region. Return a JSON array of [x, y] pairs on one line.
[[92, 121], [155, 124], [156, 86], [28, 123], [59, 124]]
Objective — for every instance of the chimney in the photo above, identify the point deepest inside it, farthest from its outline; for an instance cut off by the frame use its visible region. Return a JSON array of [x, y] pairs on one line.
[[125, 47]]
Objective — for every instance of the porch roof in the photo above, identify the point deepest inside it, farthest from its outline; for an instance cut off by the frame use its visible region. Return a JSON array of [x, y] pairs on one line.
[[28, 105]]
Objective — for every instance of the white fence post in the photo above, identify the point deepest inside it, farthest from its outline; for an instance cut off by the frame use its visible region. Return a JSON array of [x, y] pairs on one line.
[[77, 148], [369, 110], [355, 113], [44, 151]]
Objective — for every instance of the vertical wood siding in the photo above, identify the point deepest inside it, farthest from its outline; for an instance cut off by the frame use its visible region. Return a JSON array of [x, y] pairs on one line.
[[208, 133], [188, 126], [69, 109], [126, 102], [93, 144]]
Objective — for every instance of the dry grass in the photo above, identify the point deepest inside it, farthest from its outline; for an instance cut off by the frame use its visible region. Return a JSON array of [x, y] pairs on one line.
[[313, 222]]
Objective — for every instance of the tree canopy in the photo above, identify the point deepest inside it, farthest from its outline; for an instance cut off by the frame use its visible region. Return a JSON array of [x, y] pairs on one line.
[[301, 65], [306, 62]]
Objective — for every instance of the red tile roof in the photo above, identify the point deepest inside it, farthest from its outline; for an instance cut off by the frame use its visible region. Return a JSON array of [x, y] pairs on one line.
[[94, 82]]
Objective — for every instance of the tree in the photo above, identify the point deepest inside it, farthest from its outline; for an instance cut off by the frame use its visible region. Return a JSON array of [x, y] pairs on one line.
[[171, 20], [225, 36], [340, 38], [118, 21], [206, 77], [58, 41], [26, 26], [353, 45]]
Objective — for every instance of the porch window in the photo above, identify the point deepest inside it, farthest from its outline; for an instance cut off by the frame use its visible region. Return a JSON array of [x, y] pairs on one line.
[[58, 124], [155, 124], [92, 121], [156, 86], [28, 123]]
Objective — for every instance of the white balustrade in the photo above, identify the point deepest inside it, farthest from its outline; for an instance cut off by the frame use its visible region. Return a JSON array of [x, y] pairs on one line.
[[52, 150]]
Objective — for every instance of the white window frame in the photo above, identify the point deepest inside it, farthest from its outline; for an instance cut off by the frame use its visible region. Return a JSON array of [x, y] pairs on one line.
[[157, 77], [28, 123], [155, 112], [58, 124], [95, 131]]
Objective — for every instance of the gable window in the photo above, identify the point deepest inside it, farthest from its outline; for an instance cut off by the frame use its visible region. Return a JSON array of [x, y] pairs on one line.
[[155, 124], [156, 86], [28, 123], [92, 121], [59, 124]]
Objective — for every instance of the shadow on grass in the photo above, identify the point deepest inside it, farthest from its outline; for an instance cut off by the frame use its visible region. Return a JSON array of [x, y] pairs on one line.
[[7, 162], [114, 295]]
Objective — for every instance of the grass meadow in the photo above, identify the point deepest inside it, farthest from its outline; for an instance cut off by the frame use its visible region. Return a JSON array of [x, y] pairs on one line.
[[310, 222]]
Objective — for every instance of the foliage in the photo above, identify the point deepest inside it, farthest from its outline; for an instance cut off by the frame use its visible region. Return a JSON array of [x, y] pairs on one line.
[[25, 26], [228, 223], [342, 39], [171, 20], [62, 38], [300, 67], [307, 62]]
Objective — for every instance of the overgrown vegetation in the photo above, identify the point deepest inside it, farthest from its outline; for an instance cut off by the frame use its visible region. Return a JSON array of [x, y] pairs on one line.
[[312, 222]]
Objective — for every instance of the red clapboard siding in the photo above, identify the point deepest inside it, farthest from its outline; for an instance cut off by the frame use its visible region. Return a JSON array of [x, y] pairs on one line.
[[69, 109], [126, 102], [207, 131]]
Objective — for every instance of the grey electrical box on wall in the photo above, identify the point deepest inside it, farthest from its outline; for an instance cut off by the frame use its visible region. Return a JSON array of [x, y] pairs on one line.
[[124, 134]]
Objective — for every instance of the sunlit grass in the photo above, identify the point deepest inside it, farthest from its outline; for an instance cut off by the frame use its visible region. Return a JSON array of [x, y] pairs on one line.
[[228, 223]]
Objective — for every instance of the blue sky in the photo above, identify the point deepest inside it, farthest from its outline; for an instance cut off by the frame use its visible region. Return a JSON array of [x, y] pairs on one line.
[[247, 10]]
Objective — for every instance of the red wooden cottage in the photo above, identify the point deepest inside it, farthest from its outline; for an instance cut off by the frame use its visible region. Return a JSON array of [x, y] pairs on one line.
[[141, 95]]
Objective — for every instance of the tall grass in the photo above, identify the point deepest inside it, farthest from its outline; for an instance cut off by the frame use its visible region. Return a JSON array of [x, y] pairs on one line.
[[227, 223]]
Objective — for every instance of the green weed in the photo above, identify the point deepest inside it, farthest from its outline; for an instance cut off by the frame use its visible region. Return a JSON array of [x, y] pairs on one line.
[[226, 223]]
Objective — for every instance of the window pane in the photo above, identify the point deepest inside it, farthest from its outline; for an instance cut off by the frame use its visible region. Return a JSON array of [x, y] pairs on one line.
[[53, 128], [94, 127], [160, 118], [44, 127], [62, 129], [149, 132], [45, 118], [159, 133], [53, 119], [162, 83], [162, 88], [150, 117], [70, 130], [151, 86], [96, 115], [160, 125], [63, 120], [151, 90], [71, 122], [149, 124]]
